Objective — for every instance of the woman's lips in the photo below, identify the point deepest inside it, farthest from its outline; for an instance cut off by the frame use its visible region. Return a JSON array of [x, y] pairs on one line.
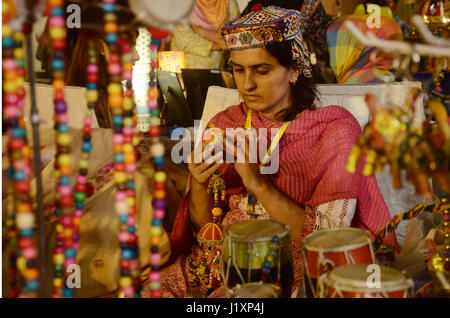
[[250, 97]]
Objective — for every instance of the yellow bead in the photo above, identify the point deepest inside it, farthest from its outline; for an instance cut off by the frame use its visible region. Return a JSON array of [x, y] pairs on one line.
[[130, 201], [18, 53], [128, 121], [217, 211], [129, 157], [59, 228], [58, 282], [114, 88], [64, 139], [21, 264], [57, 33], [120, 177], [6, 30], [160, 176], [155, 231], [84, 164], [136, 140], [9, 86], [125, 281], [64, 160], [58, 259], [77, 221], [127, 148], [128, 104], [20, 81], [91, 95]]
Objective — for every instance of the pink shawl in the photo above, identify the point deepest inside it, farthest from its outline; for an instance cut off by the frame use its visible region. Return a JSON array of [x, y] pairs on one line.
[[313, 152]]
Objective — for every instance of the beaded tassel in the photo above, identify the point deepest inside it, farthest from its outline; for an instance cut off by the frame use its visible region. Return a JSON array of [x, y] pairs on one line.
[[159, 202], [270, 260], [20, 223]]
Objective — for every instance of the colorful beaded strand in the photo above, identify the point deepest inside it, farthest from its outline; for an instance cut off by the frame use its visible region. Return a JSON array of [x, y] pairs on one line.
[[22, 221], [159, 202], [446, 225], [64, 254]]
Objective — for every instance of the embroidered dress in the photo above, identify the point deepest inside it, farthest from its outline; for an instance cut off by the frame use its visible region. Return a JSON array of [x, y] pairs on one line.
[[312, 156]]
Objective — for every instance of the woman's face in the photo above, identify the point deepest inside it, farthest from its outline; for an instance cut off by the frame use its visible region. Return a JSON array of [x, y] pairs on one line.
[[262, 81]]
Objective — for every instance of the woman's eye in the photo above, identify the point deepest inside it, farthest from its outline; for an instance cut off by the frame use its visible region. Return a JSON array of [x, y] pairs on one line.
[[238, 70], [262, 72]]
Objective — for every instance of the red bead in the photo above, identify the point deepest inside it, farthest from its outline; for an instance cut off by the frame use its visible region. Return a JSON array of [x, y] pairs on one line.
[[22, 186], [125, 264], [66, 201], [132, 239], [130, 193], [129, 93], [60, 236], [128, 139], [20, 72], [156, 294], [87, 130], [159, 186], [21, 92], [119, 166], [154, 131], [114, 58], [17, 143], [26, 242], [68, 243], [93, 77], [59, 95], [80, 187], [59, 44]]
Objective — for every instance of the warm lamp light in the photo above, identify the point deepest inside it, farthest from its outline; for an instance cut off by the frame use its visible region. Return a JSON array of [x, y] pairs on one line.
[[171, 61]]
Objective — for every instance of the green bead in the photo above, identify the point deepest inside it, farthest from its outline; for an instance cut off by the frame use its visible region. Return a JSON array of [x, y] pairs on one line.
[[80, 196]]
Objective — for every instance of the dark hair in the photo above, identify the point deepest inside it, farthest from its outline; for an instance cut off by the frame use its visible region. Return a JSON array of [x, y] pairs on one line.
[[381, 3], [304, 91]]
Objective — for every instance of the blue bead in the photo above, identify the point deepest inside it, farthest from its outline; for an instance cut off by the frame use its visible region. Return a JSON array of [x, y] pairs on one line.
[[267, 264], [67, 292], [63, 128], [131, 185], [11, 172], [8, 42], [109, 7], [58, 64], [57, 11], [32, 285], [20, 63], [117, 120], [123, 218], [111, 38], [86, 147], [70, 253], [276, 239], [132, 229], [18, 132], [119, 157], [64, 180], [126, 254], [265, 271], [91, 85], [79, 205], [156, 222], [26, 233], [58, 212], [19, 175], [158, 161]]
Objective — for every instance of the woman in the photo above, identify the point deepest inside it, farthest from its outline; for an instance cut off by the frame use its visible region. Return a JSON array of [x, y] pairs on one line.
[[354, 62], [311, 189], [198, 38]]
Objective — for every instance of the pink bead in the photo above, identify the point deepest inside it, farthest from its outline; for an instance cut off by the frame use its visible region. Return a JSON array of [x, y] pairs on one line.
[[20, 104], [155, 259], [118, 139], [28, 171], [121, 196], [124, 236], [9, 64], [76, 245], [81, 179], [131, 221], [109, 1], [127, 130], [114, 68], [446, 217], [152, 103], [66, 221], [11, 112], [131, 167], [155, 276], [59, 250], [57, 21], [69, 261], [65, 190], [128, 75], [21, 295], [10, 98], [134, 264], [159, 214], [92, 68], [78, 213], [20, 164], [88, 121], [62, 118], [128, 292], [29, 253]]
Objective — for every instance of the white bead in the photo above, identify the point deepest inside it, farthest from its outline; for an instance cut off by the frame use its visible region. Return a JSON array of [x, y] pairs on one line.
[[122, 207], [157, 150], [25, 221]]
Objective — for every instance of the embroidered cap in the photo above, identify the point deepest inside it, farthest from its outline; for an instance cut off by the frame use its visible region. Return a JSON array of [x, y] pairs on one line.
[[268, 25]]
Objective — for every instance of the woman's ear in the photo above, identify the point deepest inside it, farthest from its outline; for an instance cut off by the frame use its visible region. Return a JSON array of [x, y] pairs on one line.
[[294, 73], [104, 50]]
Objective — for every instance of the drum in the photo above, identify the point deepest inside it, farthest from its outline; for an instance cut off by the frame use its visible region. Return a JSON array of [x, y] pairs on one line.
[[359, 281], [255, 290], [323, 250], [247, 245]]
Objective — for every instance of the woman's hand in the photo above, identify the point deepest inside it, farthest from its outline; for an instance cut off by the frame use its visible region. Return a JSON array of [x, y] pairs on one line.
[[202, 170], [218, 44]]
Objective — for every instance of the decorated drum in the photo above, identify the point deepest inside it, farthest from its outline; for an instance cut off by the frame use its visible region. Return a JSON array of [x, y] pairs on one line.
[[323, 250], [365, 281], [255, 290], [245, 248]]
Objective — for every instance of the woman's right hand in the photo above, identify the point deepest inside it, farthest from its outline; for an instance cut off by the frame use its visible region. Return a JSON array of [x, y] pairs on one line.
[[203, 170]]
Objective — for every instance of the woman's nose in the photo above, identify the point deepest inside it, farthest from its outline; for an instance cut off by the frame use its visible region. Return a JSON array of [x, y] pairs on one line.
[[249, 83], [136, 56]]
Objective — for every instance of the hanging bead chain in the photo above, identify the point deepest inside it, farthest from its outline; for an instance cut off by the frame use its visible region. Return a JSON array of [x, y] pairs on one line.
[[270, 259], [65, 253], [446, 224], [128, 238], [159, 195], [25, 258]]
